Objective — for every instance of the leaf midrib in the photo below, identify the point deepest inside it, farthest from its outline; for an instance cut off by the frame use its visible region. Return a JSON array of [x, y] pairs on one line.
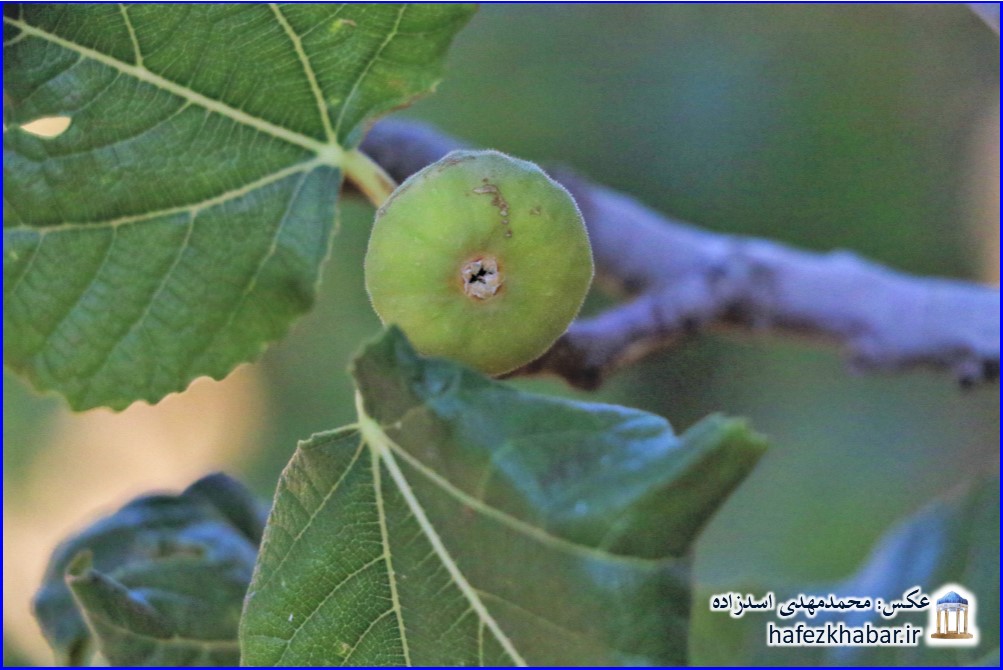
[[523, 527], [387, 555], [377, 440], [329, 152]]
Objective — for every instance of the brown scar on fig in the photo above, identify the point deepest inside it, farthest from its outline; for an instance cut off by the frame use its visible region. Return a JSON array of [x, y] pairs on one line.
[[536, 211], [497, 200], [450, 161]]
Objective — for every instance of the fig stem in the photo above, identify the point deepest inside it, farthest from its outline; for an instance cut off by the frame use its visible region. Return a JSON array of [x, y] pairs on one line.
[[368, 177]]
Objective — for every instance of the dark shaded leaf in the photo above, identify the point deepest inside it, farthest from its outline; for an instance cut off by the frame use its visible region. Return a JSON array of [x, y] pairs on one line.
[[159, 582]]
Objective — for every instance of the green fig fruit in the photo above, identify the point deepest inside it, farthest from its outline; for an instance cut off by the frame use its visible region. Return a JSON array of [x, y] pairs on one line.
[[479, 257]]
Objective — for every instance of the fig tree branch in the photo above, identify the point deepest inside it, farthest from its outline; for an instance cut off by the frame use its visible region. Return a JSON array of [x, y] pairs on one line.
[[988, 12], [678, 279]]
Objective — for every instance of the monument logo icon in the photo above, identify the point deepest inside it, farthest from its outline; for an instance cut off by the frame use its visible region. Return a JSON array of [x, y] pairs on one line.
[[954, 612]]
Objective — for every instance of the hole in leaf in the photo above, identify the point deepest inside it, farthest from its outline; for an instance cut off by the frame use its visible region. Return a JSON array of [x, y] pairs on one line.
[[47, 127]]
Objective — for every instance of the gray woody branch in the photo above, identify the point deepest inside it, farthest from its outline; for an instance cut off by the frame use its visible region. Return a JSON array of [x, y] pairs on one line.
[[682, 279], [988, 12]]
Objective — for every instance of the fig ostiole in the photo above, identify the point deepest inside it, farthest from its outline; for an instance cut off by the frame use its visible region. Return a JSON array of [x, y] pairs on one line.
[[479, 257]]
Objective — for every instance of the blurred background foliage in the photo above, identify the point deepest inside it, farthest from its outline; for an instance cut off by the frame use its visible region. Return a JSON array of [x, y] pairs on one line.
[[871, 128]]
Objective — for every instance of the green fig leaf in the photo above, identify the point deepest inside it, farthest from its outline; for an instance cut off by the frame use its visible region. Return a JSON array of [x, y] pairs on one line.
[[159, 582], [952, 540], [464, 522], [179, 223]]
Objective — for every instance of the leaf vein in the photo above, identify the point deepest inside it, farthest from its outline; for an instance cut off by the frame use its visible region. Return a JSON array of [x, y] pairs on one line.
[[26, 100], [121, 139], [132, 34], [299, 535], [80, 296], [456, 624], [252, 282], [323, 601], [311, 76], [12, 288], [323, 22], [331, 151], [515, 523], [480, 642], [14, 40], [366, 632], [538, 617], [117, 342], [369, 65], [380, 443], [385, 537], [189, 208]]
